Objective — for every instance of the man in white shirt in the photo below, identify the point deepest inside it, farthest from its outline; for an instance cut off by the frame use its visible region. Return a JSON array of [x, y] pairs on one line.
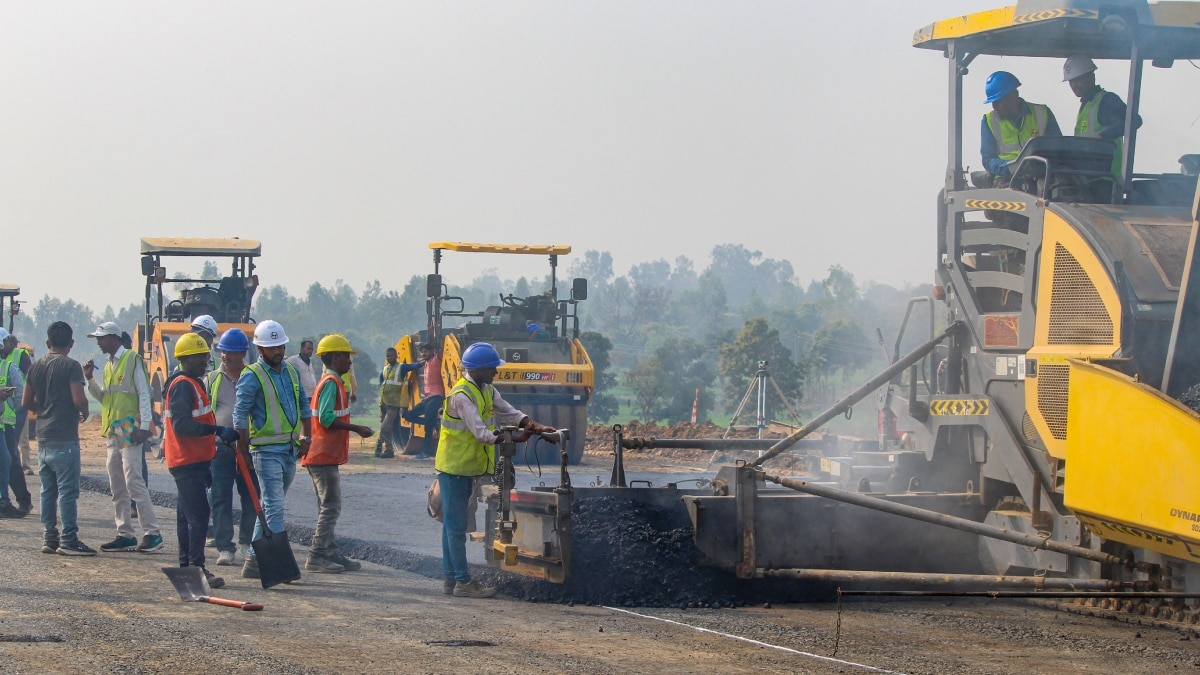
[[303, 363]]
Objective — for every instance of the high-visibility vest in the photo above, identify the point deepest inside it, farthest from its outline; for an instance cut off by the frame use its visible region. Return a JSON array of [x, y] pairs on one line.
[[1087, 125], [184, 450], [8, 414], [276, 428], [16, 356], [396, 389], [1010, 138], [120, 395], [459, 453], [329, 446]]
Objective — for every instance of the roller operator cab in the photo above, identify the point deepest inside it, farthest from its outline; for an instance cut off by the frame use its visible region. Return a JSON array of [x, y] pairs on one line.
[[547, 372], [225, 297], [1054, 403], [9, 304]]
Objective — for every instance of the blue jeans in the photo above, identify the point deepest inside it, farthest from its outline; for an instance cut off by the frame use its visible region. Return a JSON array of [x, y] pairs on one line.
[[275, 473], [5, 460], [225, 475], [456, 503], [58, 467]]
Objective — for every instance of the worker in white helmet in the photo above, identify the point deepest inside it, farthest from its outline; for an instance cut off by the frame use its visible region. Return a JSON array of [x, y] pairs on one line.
[[273, 420], [1101, 113]]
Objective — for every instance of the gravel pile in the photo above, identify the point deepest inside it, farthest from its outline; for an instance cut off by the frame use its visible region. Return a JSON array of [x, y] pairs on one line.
[[1191, 398]]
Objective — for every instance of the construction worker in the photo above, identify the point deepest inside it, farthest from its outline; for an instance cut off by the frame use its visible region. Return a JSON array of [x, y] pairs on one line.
[[11, 350], [428, 412], [206, 327], [330, 448], [222, 391], [466, 450], [1101, 113], [274, 427], [1005, 130], [12, 388], [125, 418], [55, 389], [12, 418], [303, 363], [395, 398], [189, 428]]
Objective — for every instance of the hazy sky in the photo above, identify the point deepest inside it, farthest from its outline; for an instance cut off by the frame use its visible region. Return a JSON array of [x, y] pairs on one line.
[[348, 135]]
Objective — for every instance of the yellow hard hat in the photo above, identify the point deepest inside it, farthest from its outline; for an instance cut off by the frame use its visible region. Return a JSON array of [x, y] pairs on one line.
[[334, 343], [189, 344]]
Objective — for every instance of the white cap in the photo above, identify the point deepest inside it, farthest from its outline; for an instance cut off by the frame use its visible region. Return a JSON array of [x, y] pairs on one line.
[[3, 334], [1077, 66], [270, 334], [205, 322], [106, 328]]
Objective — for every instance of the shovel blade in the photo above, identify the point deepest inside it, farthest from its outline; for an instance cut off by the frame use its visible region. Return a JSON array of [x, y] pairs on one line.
[[276, 562], [189, 581]]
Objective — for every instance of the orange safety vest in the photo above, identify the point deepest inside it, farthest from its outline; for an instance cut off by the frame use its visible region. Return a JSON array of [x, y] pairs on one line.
[[183, 450], [329, 446]]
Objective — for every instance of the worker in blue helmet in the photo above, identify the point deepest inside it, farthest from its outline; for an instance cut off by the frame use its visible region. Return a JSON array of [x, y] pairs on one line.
[[1008, 127], [470, 414]]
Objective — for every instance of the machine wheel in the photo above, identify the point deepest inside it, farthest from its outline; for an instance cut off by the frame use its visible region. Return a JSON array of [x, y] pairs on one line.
[[578, 434]]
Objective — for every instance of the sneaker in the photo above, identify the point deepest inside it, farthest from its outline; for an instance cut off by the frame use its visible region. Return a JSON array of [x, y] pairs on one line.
[[214, 581], [210, 543], [9, 511], [151, 543], [448, 586], [244, 551], [120, 544], [25, 508], [50, 547], [250, 569], [388, 454], [322, 564], [225, 558], [75, 548], [473, 589], [346, 563]]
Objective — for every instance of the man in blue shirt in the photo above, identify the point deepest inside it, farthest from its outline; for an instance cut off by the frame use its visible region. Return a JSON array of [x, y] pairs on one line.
[[274, 426]]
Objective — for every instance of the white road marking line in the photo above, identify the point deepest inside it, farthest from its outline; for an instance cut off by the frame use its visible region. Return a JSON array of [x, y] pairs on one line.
[[828, 659]]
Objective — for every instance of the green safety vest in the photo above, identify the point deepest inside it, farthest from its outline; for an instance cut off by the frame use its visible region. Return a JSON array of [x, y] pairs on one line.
[[8, 414], [120, 394], [213, 379], [276, 429], [15, 356], [459, 453], [1010, 138], [1087, 124], [395, 390]]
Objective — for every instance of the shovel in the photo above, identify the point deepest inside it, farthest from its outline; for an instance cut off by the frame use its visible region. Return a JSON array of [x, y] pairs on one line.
[[276, 562], [193, 587]]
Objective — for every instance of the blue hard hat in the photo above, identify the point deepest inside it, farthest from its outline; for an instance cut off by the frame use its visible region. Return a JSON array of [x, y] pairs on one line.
[[1000, 84], [481, 355], [234, 340]]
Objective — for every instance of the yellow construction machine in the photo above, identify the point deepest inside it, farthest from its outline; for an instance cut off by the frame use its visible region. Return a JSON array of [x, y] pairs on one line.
[[547, 373], [1038, 440], [8, 296], [225, 298]]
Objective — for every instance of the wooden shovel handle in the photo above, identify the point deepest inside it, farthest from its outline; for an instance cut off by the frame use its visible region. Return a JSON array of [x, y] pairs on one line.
[[245, 606]]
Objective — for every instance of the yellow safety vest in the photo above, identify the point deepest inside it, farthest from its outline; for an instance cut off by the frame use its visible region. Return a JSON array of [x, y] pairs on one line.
[[1087, 125], [1010, 138], [276, 429], [120, 394], [8, 414], [459, 453], [396, 390]]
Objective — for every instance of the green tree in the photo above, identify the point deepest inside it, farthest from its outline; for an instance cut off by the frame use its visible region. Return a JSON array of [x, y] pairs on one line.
[[603, 405], [649, 383], [689, 368], [738, 363], [840, 345]]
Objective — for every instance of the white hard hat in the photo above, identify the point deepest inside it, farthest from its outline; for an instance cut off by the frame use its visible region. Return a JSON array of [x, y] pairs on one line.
[[205, 322], [270, 334], [3, 334], [1076, 66]]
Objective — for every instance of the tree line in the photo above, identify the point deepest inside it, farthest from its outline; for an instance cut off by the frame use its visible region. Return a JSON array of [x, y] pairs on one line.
[[663, 337]]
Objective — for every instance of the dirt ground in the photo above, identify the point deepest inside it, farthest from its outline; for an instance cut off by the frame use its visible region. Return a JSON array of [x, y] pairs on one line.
[[118, 613]]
